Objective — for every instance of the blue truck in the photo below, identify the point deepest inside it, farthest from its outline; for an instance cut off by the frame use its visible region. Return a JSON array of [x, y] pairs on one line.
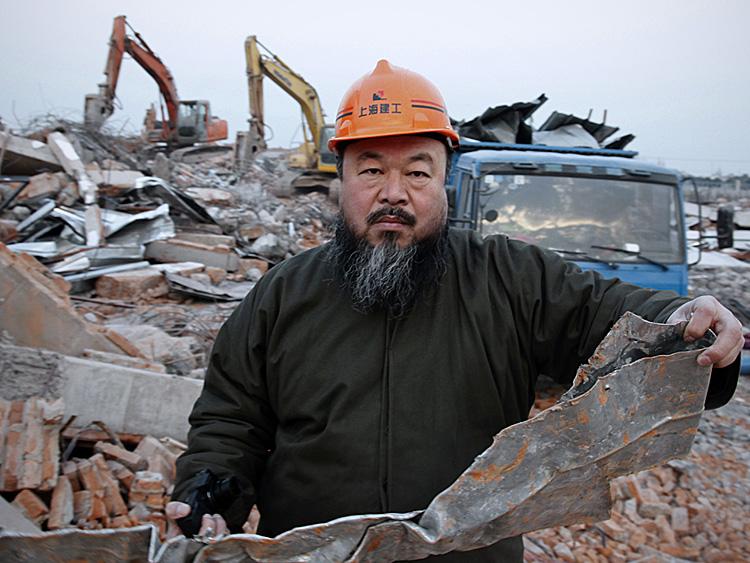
[[601, 208]]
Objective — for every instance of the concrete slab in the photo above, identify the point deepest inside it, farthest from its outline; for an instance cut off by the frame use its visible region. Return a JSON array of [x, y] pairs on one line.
[[35, 311], [128, 400], [209, 239], [26, 157], [175, 250]]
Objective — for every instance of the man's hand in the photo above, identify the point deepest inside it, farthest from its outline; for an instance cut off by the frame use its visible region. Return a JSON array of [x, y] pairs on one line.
[[703, 313], [212, 525]]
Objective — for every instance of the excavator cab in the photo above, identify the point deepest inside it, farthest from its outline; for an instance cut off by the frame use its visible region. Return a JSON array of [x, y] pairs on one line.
[[195, 124], [327, 159]]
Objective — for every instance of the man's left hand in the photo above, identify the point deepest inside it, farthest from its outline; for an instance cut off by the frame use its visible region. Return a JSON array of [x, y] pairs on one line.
[[703, 313]]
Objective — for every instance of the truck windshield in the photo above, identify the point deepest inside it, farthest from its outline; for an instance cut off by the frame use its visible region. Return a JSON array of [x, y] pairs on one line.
[[580, 214]]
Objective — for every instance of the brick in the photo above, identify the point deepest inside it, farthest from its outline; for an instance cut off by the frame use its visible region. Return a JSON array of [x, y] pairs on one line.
[[654, 509], [216, 275], [160, 521], [8, 230], [13, 458], [252, 232], [155, 501], [563, 552], [247, 264], [614, 530], [630, 510], [680, 551], [30, 474], [89, 475], [148, 482], [50, 457], [121, 522], [112, 499], [637, 539], [666, 533], [61, 507], [42, 185], [70, 470], [31, 506], [680, 520], [121, 473], [160, 459], [132, 285], [129, 459]]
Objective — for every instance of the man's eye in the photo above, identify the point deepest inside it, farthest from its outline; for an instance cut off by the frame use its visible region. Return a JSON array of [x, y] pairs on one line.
[[370, 171], [419, 174]]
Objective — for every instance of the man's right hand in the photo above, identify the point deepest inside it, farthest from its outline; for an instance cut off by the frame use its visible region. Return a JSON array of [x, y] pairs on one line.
[[212, 525]]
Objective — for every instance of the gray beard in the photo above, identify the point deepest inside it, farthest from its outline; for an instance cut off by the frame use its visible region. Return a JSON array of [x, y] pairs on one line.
[[387, 277]]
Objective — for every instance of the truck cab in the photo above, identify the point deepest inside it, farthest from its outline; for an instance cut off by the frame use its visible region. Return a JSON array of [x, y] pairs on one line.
[[600, 208]]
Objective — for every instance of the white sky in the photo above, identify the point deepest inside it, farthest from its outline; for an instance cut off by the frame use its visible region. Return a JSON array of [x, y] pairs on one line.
[[674, 73]]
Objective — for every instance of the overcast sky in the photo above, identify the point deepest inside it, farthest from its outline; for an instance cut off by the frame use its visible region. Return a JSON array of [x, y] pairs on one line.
[[674, 73]]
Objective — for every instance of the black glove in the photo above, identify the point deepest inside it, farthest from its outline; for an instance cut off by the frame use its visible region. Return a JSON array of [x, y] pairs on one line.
[[208, 496]]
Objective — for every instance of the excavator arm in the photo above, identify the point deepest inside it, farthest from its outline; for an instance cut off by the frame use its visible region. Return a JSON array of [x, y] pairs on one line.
[[271, 66], [99, 107]]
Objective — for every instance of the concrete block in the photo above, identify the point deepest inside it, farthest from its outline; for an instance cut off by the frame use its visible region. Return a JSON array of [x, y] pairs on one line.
[[128, 400], [175, 250], [209, 239], [180, 268], [247, 264], [120, 179], [43, 185], [132, 285], [35, 310], [26, 156]]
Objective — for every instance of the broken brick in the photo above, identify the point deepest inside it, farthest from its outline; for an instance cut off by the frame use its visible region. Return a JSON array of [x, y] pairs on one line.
[[129, 459], [31, 505], [61, 507], [132, 285]]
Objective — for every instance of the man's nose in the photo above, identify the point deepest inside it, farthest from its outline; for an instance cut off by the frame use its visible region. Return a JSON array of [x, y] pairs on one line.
[[393, 190]]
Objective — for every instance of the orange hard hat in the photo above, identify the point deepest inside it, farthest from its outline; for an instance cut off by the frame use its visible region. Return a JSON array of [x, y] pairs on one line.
[[391, 101]]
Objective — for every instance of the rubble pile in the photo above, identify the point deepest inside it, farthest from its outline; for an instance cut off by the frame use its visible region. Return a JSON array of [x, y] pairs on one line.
[[694, 509], [146, 244], [113, 487]]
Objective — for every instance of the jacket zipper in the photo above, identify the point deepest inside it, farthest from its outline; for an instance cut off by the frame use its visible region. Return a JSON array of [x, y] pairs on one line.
[[385, 419]]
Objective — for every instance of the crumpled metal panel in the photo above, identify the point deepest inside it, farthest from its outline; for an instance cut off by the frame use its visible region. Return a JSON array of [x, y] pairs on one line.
[[635, 405]]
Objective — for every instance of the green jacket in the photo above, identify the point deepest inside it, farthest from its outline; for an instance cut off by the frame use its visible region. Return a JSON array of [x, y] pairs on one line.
[[323, 412]]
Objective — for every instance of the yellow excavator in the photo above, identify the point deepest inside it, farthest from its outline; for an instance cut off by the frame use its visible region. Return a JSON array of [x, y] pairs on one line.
[[318, 164]]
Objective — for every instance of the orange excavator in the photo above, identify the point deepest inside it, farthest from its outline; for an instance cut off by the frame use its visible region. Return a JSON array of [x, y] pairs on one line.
[[185, 123]]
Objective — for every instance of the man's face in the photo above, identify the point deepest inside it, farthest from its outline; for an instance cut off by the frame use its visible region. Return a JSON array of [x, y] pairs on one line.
[[394, 187]]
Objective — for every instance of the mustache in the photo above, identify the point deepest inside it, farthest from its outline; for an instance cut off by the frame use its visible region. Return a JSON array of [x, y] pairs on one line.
[[405, 216]]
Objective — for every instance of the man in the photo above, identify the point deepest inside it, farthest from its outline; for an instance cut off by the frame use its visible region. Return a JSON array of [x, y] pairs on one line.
[[366, 375]]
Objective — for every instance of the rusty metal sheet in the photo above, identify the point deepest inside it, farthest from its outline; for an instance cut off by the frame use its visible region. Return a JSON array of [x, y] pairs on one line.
[[636, 404]]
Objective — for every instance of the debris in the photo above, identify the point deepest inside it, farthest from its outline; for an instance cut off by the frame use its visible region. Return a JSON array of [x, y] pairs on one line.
[[176, 250], [26, 156], [29, 451], [571, 485], [125, 399], [36, 311], [31, 506], [157, 345], [196, 288], [132, 285]]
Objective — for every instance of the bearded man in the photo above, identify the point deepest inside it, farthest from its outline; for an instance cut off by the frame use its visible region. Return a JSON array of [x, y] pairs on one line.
[[364, 376]]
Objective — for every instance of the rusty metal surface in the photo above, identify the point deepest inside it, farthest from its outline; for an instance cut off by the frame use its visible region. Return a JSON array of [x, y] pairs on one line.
[[635, 405]]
